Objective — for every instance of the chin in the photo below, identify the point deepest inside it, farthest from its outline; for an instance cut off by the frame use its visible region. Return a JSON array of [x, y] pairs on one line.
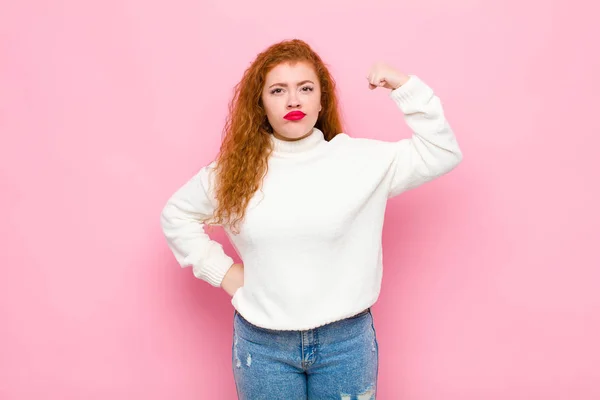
[[295, 132]]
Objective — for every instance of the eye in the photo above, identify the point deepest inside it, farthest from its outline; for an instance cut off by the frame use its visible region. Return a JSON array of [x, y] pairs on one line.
[[276, 91], [307, 89]]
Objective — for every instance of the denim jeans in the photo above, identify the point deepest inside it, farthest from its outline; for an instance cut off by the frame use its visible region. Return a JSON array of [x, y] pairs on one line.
[[335, 361]]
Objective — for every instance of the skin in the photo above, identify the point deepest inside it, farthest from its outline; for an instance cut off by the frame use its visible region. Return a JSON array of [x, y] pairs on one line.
[[295, 86], [292, 87], [234, 279]]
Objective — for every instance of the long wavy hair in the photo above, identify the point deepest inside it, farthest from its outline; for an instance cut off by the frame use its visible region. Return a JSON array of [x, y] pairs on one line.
[[242, 161]]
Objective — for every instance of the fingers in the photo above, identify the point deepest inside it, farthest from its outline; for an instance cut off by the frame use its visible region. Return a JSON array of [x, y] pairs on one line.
[[375, 82], [374, 79]]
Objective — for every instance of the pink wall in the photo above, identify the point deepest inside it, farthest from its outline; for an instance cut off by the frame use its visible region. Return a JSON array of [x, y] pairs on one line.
[[106, 107]]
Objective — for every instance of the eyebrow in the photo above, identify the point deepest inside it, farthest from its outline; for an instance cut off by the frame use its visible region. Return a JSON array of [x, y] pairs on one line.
[[285, 84]]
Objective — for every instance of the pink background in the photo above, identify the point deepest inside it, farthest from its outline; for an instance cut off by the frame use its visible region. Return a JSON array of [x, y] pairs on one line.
[[492, 274]]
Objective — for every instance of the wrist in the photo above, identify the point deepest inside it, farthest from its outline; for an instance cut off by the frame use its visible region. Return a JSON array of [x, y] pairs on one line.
[[233, 279], [402, 80]]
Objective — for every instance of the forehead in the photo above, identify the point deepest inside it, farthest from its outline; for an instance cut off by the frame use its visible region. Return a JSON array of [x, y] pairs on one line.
[[291, 72]]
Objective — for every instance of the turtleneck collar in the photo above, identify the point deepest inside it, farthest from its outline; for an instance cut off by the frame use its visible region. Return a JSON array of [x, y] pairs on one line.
[[305, 144]]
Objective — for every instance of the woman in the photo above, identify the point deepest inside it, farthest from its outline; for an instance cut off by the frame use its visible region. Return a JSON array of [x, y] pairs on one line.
[[303, 204]]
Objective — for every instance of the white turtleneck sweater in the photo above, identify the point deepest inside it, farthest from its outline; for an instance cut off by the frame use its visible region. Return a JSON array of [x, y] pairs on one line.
[[311, 239]]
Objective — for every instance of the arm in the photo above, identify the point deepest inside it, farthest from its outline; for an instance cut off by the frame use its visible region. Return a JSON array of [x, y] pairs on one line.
[[234, 279], [182, 227], [432, 150]]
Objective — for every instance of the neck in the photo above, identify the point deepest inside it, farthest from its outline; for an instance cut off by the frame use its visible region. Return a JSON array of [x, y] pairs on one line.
[[287, 139], [297, 146]]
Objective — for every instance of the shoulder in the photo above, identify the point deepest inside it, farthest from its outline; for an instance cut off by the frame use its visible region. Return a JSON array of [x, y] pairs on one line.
[[199, 183], [204, 175], [361, 145], [207, 176], [359, 154]]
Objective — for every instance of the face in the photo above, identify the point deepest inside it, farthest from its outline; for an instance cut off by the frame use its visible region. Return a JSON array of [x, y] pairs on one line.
[[292, 99]]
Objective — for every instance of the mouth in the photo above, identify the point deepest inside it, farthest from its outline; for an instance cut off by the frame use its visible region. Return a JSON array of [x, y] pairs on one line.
[[294, 116]]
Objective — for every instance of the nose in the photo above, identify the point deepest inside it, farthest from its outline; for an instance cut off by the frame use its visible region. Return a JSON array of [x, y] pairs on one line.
[[293, 101]]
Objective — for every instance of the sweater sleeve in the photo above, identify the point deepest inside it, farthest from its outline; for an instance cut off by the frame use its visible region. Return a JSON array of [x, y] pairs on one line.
[[432, 150], [182, 227]]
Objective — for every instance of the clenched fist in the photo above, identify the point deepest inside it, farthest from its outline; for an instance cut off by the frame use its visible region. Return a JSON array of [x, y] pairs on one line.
[[383, 75]]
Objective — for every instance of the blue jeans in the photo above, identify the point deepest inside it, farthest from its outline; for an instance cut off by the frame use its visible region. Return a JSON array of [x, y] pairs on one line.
[[334, 361]]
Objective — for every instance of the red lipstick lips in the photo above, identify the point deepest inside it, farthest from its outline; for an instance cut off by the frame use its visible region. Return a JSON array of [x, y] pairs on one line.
[[294, 116]]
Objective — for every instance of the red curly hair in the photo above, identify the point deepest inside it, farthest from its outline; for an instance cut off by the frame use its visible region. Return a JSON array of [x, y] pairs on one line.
[[246, 146]]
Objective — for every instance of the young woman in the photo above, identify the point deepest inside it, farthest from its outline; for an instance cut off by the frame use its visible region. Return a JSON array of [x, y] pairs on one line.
[[303, 204]]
